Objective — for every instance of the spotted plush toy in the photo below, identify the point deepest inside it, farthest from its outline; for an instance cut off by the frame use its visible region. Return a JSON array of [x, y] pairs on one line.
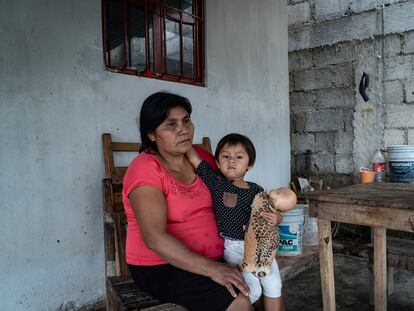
[[261, 239]]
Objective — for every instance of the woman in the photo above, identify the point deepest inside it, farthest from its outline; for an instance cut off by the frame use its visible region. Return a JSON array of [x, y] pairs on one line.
[[173, 246]]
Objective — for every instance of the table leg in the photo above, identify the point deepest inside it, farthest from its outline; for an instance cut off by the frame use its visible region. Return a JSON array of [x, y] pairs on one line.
[[326, 264], [380, 268]]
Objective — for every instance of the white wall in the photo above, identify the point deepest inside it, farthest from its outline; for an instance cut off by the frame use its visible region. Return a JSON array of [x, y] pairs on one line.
[[56, 99]]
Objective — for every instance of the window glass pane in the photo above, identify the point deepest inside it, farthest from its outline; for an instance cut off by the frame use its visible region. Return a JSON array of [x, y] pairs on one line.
[[172, 44], [173, 3], [188, 50], [115, 33], [187, 6], [136, 38]]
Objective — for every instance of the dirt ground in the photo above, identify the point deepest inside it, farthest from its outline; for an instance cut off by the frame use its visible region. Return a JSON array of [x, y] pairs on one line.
[[352, 287]]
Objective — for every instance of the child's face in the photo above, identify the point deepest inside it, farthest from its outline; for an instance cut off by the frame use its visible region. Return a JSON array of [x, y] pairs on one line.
[[233, 162]]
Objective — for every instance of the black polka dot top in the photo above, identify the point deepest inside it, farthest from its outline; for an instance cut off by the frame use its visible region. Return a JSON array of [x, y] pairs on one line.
[[232, 204]]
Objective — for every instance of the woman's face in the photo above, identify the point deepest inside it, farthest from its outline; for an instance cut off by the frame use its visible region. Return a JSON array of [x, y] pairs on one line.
[[175, 134]]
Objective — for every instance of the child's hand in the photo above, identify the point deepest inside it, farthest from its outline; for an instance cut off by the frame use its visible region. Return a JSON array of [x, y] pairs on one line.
[[273, 219]]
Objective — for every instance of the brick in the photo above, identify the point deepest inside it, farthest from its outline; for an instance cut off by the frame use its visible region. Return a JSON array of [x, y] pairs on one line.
[[301, 101], [393, 92], [331, 55], [322, 164], [344, 164], [399, 68], [393, 137], [335, 97], [339, 75], [324, 120], [392, 45], [348, 28], [325, 9], [325, 142], [340, 180], [299, 13], [363, 50], [300, 60], [299, 122], [348, 119], [410, 135], [399, 116], [292, 2], [409, 42], [409, 91], [366, 5], [292, 123], [303, 142], [300, 164], [344, 142], [399, 18]]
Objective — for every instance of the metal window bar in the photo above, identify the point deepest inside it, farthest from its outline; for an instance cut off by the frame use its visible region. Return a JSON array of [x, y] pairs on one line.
[[147, 50], [181, 44], [126, 45]]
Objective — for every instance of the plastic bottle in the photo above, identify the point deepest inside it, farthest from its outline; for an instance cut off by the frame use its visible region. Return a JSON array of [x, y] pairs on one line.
[[378, 166]]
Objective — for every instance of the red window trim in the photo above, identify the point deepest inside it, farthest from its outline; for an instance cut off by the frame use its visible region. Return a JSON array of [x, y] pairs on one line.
[[162, 11]]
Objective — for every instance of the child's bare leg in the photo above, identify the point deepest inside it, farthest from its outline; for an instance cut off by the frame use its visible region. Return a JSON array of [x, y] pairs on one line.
[[274, 304], [241, 303]]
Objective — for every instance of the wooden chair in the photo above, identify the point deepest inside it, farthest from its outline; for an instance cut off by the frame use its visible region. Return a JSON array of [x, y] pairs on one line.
[[122, 294]]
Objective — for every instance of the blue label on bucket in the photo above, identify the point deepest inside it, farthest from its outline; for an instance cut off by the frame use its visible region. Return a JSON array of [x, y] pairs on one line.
[[290, 238], [401, 171]]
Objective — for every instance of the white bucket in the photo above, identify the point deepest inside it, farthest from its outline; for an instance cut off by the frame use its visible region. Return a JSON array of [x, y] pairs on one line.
[[401, 163], [291, 232], [310, 228]]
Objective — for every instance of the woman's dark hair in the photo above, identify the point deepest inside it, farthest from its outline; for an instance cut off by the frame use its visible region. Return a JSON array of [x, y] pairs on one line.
[[154, 111], [235, 139]]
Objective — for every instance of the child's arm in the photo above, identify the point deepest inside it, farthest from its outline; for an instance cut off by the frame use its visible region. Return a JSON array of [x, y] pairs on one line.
[[193, 157], [206, 173], [283, 199], [273, 218]]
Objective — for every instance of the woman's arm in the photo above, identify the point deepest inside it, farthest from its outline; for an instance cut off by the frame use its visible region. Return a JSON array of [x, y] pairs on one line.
[[150, 210]]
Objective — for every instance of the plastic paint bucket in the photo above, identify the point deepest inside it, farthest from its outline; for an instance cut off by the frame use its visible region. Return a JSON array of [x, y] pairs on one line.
[[401, 163], [310, 228], [291, 232]]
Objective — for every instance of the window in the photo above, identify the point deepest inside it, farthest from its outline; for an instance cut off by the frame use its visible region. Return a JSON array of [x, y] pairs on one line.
[[161, 39]]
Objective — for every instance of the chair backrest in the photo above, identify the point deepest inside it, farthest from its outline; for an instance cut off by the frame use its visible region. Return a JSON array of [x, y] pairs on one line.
[[116, 173], [114, 217]]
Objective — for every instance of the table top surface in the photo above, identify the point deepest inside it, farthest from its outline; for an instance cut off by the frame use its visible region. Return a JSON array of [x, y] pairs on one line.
[[387, 195]]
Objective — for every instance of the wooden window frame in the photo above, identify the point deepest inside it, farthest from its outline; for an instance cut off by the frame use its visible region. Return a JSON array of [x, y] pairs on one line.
[[161, 12]]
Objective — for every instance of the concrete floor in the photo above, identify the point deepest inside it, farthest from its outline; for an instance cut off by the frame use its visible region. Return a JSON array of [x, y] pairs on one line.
[[352, 286], [352, 283]]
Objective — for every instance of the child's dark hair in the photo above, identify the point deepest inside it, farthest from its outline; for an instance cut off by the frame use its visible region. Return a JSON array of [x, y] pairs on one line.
[[235, 139]]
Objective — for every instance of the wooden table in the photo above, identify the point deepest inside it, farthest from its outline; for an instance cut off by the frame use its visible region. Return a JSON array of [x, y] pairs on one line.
[[378, 205]]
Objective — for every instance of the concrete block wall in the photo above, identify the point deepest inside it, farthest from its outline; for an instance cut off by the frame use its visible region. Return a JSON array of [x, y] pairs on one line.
[[331, 44]]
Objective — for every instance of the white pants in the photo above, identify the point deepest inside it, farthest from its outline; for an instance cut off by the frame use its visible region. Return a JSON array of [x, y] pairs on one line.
[[271, 284]]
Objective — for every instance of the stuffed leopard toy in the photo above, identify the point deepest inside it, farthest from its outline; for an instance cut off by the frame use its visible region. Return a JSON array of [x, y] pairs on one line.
[[261, 239]]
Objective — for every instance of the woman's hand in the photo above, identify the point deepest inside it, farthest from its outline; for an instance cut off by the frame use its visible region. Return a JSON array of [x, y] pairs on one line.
[[230, 277], [273, 219]]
